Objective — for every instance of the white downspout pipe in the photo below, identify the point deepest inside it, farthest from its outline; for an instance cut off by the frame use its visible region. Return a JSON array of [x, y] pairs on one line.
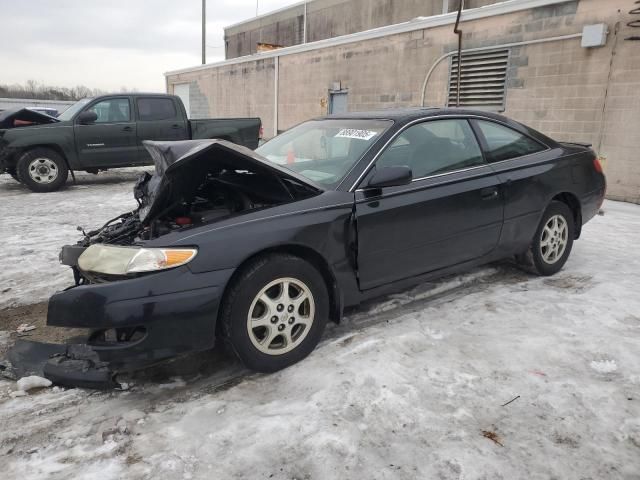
[[492, 47]]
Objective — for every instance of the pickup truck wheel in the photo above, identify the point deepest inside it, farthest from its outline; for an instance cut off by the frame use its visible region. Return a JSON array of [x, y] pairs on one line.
[[553, 240], [42, 170], [275, 312]]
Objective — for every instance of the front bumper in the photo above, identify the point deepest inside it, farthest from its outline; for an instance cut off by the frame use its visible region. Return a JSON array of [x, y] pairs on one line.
[[131, 324]]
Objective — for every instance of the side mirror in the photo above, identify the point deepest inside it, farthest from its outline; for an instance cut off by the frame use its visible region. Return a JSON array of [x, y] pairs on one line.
[[391, 177], [87, 117]]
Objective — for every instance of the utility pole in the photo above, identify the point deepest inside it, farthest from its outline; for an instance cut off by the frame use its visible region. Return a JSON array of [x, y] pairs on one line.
[[304, 26], [204, 31]]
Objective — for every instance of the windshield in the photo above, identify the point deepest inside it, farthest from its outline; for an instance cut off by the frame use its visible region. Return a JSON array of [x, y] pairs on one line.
[[73, 109], [324, 150]]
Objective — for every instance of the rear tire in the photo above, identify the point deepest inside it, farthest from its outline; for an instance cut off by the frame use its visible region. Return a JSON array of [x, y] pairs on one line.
[[553, 240], [42, 170], [275, 312]]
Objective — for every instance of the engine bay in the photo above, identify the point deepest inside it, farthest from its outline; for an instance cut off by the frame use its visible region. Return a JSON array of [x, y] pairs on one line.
[[219, 196]]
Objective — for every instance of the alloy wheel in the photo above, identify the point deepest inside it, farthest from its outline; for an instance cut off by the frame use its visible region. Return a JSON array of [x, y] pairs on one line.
[[554, 239], [280, 316]]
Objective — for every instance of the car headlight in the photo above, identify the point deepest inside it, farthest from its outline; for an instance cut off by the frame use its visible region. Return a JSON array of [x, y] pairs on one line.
[[114, 260]]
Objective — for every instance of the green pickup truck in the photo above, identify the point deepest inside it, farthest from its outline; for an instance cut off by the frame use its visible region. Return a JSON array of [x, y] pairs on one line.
[[101, 133]]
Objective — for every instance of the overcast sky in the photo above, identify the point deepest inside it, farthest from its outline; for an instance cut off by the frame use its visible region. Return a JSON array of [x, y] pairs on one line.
[[115, 43]]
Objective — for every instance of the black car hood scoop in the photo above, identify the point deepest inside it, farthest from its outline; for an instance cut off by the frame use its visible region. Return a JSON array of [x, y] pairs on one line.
[[181, 166], [23, 117]]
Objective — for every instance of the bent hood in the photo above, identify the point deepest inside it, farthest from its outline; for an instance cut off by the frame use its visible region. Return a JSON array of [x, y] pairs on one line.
[[23, 117], [180, 167]]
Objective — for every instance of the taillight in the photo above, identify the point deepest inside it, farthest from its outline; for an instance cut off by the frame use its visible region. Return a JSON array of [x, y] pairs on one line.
[[597, 165], [261, 132]]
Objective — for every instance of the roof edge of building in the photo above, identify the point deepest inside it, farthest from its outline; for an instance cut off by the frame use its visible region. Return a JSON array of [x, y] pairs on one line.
[[419, 23], [268, 14]]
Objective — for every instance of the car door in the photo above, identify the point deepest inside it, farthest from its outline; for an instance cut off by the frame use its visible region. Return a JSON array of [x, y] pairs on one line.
[[110, 141], [450, 213], [159, 119], [526, 168]]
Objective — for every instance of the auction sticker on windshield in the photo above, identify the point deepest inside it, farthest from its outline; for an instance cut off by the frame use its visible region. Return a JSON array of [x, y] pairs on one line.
[[356, 133]]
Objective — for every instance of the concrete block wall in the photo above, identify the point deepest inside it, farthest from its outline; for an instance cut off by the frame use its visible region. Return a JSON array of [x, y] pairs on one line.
[[330, 18], [380, 73], [568, 92], [619, 139], [240, 90], [198, 101]]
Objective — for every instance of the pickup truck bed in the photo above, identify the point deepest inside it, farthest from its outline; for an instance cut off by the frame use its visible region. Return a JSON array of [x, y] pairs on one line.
[[237, 130]]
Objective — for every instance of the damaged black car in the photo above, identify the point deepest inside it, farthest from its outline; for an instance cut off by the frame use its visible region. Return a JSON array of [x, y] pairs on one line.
[[260, 249]]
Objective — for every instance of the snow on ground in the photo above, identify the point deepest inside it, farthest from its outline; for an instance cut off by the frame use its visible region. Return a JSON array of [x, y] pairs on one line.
[[411, 386], [35, 225]]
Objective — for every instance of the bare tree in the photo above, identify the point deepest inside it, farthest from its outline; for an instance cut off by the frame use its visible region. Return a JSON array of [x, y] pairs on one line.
[[33, 89]]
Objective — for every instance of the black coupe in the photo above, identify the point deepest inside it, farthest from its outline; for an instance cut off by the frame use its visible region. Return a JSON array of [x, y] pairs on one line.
[[262, 248]]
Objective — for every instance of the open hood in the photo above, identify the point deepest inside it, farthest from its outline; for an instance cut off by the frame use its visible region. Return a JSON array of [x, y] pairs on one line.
[[23, 117], [180, 168]]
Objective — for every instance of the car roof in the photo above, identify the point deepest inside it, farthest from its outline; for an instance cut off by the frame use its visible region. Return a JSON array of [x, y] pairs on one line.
[[135, 94], [402, 116], [411, 113]]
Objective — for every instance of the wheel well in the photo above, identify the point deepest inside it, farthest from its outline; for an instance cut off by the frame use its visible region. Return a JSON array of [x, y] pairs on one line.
[[571, 201], [54, 147], [311, 256]]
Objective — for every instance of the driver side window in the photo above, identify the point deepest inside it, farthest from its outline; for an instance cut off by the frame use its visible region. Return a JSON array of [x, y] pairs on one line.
[[434, 147], [112, 111]]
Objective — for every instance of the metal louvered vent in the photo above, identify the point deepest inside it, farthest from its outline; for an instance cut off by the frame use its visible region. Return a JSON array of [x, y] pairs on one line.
[[483, 79]]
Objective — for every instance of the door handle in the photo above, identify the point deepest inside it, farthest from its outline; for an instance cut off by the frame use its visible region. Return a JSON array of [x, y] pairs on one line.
[[489, 193], [126, 129], [175, 126]]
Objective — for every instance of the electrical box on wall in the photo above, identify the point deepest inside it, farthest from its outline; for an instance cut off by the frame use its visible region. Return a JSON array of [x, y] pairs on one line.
[[595, 35]]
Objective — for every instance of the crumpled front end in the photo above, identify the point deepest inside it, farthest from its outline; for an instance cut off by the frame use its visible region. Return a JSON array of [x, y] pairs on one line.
[[130, 324], [73, 365], [5, 153], [135, 295], [23, 117]]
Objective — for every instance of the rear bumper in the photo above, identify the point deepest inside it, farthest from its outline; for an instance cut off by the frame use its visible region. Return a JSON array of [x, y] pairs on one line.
[[132, 323], [592, 201]]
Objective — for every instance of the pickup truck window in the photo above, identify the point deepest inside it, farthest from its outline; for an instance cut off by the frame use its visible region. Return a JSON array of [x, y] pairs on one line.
[[73, 109], [156, 109], [112, 110]]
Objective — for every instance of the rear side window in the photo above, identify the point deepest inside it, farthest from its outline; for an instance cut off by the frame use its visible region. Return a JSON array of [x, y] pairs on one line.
[[156, 109], [505, 143]]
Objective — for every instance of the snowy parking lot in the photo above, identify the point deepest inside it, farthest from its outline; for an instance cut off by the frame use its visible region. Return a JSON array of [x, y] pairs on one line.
[[494, 374]]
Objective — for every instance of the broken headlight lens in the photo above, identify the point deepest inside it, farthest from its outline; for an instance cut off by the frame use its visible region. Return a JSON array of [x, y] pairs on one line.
[[112, 260]]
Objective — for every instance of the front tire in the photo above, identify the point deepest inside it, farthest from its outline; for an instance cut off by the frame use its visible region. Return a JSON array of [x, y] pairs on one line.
[[275, 312], [42, 170], [553, 240]]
